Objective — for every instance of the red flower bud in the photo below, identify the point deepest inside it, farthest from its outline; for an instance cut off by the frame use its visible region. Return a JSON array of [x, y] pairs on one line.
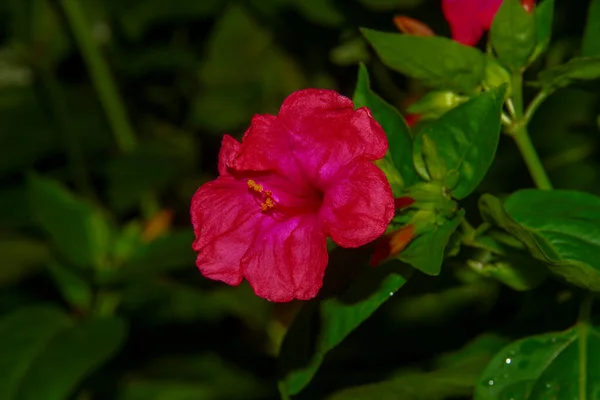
[[411, 26], [403, 202], [412, 119], [392, 244]]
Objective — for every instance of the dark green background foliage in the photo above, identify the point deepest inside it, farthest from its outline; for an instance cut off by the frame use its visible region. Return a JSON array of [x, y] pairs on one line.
[[111, 115]]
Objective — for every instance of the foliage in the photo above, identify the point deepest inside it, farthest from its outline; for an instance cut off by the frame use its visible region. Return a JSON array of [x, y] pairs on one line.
[[112, 114]]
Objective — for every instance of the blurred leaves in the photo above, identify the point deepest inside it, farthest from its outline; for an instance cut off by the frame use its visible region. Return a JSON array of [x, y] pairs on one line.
[[205, 376], [147, 169], [591, 44], [20, 257], [78, 230], [235, 84], [456, 377], [35, 340], [582, 72]]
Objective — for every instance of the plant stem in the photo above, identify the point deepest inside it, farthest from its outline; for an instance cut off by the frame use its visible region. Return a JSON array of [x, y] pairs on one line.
[[106, 88], [535, 103], [521, 136], [583, 323], [100, 74], [283, 392]]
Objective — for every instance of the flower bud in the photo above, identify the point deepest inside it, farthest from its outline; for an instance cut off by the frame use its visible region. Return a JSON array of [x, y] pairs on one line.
[[434, 104], [495, 75], [411, 26]]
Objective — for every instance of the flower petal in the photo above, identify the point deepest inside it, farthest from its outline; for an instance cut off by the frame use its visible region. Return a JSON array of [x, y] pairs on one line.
[[230, 148], [326, 133], [359, 206], [464, 19], [225, 217], [287, 259], [266, 147]]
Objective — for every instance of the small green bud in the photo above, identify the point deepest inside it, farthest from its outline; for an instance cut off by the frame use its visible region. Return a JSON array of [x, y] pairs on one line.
[[434, 104], [495, 75]]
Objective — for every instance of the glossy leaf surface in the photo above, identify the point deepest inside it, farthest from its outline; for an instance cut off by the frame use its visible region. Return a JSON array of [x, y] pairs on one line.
[[437, 61]]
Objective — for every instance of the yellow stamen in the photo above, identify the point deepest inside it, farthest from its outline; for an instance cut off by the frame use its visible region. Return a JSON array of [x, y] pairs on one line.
[[268, 202], [255, 186]]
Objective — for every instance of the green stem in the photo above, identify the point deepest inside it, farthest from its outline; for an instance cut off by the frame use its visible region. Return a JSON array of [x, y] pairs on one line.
[[521, 136], [105, 86], [100, 74], [585, 311], [533, 106], [283, 392]]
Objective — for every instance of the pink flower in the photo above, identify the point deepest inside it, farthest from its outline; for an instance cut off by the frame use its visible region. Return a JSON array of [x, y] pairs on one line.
[[470, 19], [295, 179]]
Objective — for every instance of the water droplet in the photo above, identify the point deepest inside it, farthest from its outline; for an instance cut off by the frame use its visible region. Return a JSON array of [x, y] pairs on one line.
[[391, 293], [548, 385], [508, 360], [491, 382]]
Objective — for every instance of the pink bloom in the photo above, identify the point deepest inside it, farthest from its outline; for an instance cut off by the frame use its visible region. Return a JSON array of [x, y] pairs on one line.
[[295, 179], [470, 19]]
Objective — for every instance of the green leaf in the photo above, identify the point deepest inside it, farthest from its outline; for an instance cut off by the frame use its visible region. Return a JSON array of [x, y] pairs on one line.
[[426, 251], [466, 138], [78, 230], [439, 62], [560, 227], [323, 12], [398, 134], [456, 377], [558, 365], [74, 289], [513, 34], [544, 16], [45, 354], [581, 72], [512, 266], [331, 320], [20, 257], [591, 45]]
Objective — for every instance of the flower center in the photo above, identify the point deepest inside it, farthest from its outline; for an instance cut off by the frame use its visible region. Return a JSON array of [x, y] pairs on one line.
[[290, 199], [265, 195]]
